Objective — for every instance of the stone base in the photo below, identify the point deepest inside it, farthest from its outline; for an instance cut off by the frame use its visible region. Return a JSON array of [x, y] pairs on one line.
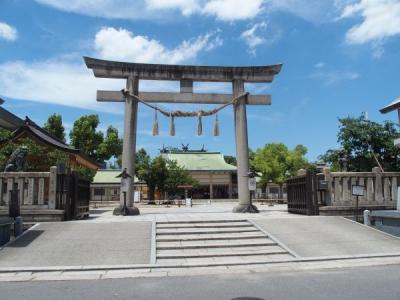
[[247, 208], [128, 211], [38, 215]]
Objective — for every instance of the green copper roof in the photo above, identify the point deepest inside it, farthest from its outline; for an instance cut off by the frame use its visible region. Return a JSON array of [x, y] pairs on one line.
[[108, 176], [200, 161]]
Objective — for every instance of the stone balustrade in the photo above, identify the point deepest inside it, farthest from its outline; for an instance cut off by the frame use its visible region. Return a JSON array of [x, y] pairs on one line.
[[380, 188], [37, 190]]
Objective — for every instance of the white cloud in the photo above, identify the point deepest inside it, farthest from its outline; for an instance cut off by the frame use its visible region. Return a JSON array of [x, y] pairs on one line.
[[319, 65], [121, 44], [113, 9], [53, 81], [59, 81], [330, 77], [8, 32], [231, 10], [225, 10], [381, 20], [252, 36], [310, 10], [187, 7]]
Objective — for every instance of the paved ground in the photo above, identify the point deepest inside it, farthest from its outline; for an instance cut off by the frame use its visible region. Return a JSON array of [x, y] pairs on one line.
[[329, 236], [110, 240], [76, 244], [355, 283]]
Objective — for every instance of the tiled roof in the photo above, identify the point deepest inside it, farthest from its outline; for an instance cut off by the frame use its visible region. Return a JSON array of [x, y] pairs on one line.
[[108, 176], [200, 161]]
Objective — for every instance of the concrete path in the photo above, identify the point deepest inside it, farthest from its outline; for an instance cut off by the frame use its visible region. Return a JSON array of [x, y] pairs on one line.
[[80, 244], [329, 236], [185, 241]]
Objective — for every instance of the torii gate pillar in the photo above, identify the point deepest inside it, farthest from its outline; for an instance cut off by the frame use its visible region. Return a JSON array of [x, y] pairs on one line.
[[129, 143], [242, 150]]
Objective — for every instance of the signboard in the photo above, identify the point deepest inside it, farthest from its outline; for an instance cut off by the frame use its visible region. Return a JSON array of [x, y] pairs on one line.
[[252, 184], [357, 190], [124, 185], [322, 185], [136, 197]]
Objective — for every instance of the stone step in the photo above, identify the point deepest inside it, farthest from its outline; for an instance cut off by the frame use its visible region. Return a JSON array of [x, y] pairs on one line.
[[201, 221], [195, 253], [205, 225], [175, 231], [212, 237], [215, 244], [225, 260]]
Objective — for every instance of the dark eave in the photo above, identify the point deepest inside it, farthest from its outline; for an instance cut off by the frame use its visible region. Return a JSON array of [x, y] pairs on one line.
[[391, 107], [115, 69], [9, 121]]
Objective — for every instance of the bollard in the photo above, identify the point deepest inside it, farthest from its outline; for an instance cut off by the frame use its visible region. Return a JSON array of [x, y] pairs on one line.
[[367, 220], [18, 226]]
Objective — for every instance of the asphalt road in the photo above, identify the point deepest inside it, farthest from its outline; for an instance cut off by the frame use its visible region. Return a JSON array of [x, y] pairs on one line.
[[358, 283]]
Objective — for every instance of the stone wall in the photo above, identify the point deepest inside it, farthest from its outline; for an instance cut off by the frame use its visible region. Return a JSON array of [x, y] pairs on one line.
[[37, 194], [381, 190]]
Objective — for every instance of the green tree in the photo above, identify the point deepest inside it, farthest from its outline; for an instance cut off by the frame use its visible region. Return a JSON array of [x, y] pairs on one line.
[[360, 140], [85, 137], [55, 127], [177, 176], [276, 162], [111, 145], [154, 173], [230, 160]]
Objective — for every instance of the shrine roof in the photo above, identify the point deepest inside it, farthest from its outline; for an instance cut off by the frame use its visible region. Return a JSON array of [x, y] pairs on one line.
[[200, 161], [109, 176]]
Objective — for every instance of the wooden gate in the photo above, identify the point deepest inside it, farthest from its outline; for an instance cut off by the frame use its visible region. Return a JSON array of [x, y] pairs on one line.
[[73, 195], [302, 194]]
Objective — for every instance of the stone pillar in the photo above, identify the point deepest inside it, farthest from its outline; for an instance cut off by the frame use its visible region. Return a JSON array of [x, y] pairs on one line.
[[129, 142], [242, 150], [211, 186], [328, 192]]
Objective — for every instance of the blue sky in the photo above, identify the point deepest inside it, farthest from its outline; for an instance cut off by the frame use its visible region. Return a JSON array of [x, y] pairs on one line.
[[340, 57]]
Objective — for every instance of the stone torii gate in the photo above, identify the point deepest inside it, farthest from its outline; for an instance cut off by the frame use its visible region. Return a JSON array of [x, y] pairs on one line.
[[134, 72]]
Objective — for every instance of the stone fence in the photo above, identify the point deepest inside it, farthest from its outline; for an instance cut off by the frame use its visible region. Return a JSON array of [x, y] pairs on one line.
[[37, 190], [381, 188]]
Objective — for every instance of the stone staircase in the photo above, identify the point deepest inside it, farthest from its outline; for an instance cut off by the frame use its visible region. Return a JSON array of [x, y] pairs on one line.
[[214, 242]]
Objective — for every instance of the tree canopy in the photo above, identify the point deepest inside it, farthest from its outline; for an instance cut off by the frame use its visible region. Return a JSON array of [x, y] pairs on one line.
[[360, 140], [55, 127], [91, 142], [161, 174], [276, 162]]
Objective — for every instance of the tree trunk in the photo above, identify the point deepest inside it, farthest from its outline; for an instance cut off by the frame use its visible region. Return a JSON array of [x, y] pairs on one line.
[[151, 192]]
